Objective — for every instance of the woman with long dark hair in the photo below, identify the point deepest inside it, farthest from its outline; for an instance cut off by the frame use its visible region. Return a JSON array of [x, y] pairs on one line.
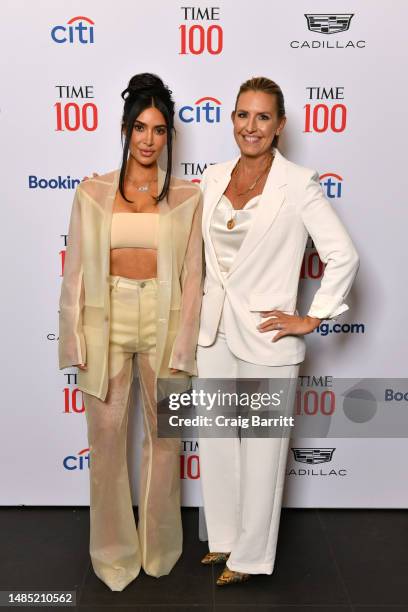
[[132, 289]]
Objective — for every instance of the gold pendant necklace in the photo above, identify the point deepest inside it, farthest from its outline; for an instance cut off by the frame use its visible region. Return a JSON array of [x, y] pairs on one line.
[[231, 220]]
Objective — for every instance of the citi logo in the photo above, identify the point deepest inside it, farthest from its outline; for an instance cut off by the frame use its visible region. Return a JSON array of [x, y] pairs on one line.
[[205, 109], [80, 461], [78, 30], [332, 184]]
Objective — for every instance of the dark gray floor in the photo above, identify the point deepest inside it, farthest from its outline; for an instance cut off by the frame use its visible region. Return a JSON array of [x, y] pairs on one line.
[[334, 560]]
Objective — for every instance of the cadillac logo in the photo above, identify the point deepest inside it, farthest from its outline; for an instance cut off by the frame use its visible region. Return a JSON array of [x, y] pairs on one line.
[[313, 455], [328, 24]]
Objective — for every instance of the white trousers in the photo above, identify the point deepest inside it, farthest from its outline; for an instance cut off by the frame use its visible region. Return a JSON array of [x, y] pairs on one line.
[[242, 480]]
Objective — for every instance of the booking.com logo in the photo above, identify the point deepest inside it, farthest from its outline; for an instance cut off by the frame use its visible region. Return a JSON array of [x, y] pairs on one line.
[[77, 462], [205, 109], [332, 184], [75, 31], [340, 328], [59, 182]]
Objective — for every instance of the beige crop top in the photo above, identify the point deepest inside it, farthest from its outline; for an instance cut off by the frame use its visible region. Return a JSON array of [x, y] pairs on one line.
[[134, 230]]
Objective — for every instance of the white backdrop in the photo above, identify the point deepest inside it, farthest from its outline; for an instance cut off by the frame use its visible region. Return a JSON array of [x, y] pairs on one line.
[[60, 117]]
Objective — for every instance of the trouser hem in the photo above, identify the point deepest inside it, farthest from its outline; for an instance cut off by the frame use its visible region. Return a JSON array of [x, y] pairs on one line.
[[120, 583], [220, 547], [256, 568]]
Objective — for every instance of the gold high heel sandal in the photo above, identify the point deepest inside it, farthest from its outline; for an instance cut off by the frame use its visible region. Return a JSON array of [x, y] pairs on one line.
[[230, 577], [212, 558]]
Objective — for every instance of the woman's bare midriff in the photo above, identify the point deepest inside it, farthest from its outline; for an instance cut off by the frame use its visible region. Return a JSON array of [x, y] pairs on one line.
[[133, 263]]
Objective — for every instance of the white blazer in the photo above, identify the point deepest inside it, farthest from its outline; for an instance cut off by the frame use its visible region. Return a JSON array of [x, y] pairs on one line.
[[265, 272]]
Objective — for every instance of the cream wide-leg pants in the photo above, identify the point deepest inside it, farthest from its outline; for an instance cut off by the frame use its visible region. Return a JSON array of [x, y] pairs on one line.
[[118, 550], [243, 480]]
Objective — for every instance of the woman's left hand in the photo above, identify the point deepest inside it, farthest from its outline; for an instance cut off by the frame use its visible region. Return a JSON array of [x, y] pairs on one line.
[[174, 371], [287, 324]]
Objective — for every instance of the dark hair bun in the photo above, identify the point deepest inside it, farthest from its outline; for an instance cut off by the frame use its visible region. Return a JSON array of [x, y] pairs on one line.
[[145, 91], [146, 84]]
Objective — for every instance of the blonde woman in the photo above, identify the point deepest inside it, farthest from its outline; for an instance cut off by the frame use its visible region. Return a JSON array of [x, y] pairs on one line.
[[259, 209]]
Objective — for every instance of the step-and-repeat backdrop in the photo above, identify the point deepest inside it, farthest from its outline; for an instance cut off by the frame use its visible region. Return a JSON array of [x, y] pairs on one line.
[[64, 65]]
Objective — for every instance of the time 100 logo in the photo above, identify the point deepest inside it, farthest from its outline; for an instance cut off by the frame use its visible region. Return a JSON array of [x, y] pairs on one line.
[[319, 116], [73, 116], [196, 39]]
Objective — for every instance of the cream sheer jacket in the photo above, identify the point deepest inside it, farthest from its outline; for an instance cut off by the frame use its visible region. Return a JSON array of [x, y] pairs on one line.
[[85, 298]]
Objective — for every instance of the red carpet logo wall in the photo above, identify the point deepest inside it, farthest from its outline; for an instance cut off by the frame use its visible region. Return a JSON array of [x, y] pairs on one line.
[[60, 116]]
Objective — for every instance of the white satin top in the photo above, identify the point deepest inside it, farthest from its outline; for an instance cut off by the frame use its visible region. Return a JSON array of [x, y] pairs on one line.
[[134, 230], [227, 242]]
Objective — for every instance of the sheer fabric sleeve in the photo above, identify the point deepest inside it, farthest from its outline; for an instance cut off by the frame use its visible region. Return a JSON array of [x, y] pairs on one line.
[[183, 356], [335, 249], [71, 345]]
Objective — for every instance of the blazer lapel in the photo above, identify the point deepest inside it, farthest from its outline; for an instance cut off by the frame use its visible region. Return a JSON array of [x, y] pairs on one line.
[[270, 202], [212, 194], [108, 219], [163, 204], [164, 250], [164, 272]]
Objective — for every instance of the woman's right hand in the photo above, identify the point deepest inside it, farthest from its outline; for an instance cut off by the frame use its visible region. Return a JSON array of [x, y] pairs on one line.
[[82, 366], [94, 175]]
